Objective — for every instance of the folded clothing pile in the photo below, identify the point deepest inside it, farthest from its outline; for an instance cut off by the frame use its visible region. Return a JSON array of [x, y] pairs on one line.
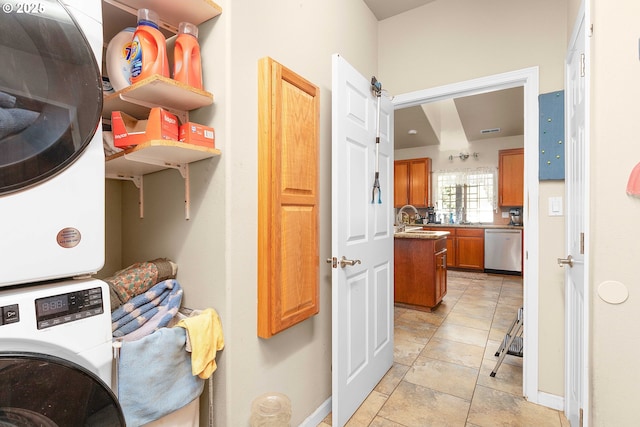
[[138, 278], [147, 312]]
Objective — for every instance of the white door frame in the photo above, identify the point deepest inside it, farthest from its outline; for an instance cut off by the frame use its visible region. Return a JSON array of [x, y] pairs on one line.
[[528, 78]]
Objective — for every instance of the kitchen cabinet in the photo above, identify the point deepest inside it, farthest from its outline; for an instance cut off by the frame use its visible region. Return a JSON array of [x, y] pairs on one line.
[[511, 177], [156, 91], [452, 259], [420, 272], [470, 248], [288, 198], [412, 182], [465, 247]]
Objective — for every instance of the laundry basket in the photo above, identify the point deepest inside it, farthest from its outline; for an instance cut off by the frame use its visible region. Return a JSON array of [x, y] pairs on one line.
[[512, 343]]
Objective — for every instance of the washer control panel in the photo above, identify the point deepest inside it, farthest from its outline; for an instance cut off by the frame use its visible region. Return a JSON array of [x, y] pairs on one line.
[[63, 308]]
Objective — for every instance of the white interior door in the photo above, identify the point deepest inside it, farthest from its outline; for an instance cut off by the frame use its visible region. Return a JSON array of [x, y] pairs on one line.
[[576, 275], [362, 294]]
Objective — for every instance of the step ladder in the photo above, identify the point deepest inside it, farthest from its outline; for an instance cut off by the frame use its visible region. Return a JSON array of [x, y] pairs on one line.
[[512, 343]]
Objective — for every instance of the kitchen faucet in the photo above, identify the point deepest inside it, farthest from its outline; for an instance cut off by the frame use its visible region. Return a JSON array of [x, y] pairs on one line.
[[399, 215]]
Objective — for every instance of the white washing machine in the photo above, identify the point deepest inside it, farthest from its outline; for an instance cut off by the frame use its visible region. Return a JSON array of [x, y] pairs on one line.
[[51, 155], [55, 356]]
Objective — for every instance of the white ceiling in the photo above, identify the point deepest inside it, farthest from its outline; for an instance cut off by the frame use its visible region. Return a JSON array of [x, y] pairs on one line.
[[501, 109]]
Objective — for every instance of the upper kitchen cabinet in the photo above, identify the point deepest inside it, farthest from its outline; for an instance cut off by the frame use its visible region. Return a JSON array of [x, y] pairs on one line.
[[511, 177], [412, 182]]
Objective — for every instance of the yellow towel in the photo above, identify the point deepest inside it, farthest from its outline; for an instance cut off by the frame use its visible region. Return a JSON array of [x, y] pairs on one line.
[[205, 336]]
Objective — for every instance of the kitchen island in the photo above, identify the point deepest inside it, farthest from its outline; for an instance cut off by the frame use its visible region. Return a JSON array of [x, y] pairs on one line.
[[420, 268]]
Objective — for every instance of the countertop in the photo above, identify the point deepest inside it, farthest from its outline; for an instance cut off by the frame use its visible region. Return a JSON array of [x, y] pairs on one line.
[[419, 234], [472, 225], [412, 231]]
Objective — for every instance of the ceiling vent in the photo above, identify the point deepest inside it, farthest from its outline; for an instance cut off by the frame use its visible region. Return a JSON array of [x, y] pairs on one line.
[[494, 130]]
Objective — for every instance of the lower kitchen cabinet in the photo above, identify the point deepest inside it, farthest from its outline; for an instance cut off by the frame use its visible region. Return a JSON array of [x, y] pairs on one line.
[[465, 247], [420, 278], [470, 250]]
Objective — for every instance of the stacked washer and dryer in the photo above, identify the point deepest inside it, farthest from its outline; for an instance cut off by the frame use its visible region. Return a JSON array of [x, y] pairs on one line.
[[55, 323]]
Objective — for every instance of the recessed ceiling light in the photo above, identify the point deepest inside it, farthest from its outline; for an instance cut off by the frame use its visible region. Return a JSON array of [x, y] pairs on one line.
[[412, 132]]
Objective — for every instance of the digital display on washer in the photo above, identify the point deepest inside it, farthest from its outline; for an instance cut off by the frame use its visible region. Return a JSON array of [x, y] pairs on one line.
[[52, 305], [58, 309]]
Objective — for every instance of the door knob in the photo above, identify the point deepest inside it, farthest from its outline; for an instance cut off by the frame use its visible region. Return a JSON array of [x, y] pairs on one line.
[[344, 262], [568, 260]]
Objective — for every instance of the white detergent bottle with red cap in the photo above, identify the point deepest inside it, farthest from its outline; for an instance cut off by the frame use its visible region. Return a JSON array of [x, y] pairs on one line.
[[187, 65], [149, 48]]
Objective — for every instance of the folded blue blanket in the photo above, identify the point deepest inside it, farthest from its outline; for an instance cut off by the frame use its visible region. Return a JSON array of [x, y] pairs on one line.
[[154, 376], [147, 312]]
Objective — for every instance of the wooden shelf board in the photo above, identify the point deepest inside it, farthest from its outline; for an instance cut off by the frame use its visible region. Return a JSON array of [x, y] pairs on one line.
[[173, 12], [158, 91], [156, 155]]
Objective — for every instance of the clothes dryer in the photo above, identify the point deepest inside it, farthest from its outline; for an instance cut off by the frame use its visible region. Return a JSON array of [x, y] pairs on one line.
[[51, 155], [56, 355]]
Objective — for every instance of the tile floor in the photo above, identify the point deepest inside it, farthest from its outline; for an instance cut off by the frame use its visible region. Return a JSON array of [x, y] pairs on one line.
[[442, 361]]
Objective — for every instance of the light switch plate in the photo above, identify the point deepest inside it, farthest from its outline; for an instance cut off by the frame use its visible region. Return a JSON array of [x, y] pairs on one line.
[[555, 206]]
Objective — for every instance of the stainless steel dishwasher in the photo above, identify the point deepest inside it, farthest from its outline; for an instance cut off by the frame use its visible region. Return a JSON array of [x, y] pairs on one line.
[[503, 250]]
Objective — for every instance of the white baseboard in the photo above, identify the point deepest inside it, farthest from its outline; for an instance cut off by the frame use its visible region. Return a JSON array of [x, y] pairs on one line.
[[551, 401], [318, 415]]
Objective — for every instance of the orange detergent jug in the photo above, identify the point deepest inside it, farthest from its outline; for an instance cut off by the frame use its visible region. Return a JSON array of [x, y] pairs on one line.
[[149, 48], [187, 65]]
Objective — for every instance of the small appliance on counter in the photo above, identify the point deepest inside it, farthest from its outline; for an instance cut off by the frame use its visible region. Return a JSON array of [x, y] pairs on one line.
[[431, 215], [515, 217]]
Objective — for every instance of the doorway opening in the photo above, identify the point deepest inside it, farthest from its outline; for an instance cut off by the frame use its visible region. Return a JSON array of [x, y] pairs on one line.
[[528, 79]]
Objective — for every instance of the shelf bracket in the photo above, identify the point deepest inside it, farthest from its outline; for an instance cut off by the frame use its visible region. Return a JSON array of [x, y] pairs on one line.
[[184, 171], [138, 181], [183, 168]]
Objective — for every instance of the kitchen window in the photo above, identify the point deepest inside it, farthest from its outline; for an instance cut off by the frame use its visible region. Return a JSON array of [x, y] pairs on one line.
[[468, 195]]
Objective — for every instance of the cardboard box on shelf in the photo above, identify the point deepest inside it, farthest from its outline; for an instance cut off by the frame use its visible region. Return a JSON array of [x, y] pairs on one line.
[[194, 133], [129, 131]]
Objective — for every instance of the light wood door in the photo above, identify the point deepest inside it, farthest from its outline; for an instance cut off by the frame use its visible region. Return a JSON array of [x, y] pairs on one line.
[[419, 174], [470, 248], [511, 177], [412, 182], [362, 294], [288, 249], [401, 183], [441, 274]]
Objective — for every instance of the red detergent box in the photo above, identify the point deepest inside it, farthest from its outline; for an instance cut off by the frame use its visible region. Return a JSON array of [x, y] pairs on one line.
[[194, 133], [129, 131]]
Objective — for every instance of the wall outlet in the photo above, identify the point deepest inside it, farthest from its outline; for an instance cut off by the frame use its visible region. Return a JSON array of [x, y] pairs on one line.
[[505, 214]]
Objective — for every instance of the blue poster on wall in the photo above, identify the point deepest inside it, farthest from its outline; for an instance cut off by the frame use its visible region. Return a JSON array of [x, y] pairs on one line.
[[551, 107]]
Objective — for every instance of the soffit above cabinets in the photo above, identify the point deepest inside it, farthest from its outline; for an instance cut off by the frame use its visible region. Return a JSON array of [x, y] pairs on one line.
[[503, 110]]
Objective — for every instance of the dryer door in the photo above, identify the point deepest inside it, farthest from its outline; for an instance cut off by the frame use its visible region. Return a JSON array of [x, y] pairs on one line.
[[43, 390], [50, 92]]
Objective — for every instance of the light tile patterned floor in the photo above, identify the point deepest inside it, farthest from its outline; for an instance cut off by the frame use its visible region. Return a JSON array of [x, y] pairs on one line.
[[442, 361]]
